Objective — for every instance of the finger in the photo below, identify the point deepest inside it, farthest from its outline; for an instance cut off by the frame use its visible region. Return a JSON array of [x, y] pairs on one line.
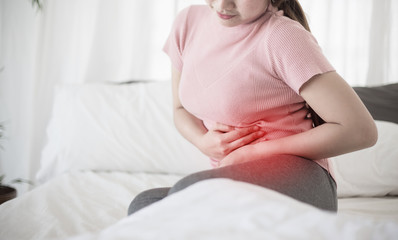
[[239, 133], [223, 164], [246, 140], [222, 128]]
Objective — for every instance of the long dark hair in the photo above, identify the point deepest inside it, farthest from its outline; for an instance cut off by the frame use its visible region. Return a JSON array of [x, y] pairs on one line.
[[293, 10]]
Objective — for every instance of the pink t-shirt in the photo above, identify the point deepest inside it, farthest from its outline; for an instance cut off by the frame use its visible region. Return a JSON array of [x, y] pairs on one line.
[[246, 75]]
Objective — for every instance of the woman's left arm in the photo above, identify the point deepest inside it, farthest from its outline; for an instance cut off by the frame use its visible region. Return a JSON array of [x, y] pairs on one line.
[[348, 125]]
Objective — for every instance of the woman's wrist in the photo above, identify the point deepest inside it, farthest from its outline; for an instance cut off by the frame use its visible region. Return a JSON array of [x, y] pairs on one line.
[[261, 150]]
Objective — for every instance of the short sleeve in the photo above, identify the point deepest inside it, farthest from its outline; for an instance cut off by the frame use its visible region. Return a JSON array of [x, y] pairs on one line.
[[295, 55], [176, 41]]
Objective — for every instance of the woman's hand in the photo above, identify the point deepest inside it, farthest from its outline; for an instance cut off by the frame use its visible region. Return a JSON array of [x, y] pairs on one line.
[[222, 139], [240, 155], [348, 125], [246, 153]]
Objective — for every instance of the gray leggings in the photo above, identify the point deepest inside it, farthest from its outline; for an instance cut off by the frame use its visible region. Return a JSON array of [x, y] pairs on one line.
[[293, 176]]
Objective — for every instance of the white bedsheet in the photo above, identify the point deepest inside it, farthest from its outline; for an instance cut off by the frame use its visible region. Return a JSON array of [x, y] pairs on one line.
[[74, 203], [385, 208], [225, 209], [92, 205]]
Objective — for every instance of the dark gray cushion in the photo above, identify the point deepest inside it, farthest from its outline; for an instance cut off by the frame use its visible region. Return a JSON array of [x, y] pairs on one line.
[[381, 101]]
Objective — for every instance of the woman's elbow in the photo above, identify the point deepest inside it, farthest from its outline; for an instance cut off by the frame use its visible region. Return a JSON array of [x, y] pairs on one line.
[[368, 134]]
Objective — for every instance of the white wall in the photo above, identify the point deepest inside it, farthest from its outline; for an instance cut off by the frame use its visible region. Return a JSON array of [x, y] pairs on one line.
[[18, 38]]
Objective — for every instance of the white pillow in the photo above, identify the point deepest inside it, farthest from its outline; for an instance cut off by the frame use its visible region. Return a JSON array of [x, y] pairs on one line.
[[125, 127], [370, 172]]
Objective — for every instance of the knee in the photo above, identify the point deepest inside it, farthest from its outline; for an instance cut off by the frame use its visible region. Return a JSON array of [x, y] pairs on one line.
[[146, 198], [189, 180], [180, 185]]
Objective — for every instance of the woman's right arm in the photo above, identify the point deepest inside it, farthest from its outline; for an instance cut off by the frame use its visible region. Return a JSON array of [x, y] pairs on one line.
[[216, 143]]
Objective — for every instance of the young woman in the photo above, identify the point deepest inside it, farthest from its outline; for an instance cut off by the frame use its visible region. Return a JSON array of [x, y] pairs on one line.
[[246, 74]]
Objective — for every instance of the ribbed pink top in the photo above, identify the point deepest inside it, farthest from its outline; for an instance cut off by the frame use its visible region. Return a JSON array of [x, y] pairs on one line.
[[246, 75]]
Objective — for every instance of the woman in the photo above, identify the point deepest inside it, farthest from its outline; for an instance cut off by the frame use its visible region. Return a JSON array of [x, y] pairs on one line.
[[245, 73]]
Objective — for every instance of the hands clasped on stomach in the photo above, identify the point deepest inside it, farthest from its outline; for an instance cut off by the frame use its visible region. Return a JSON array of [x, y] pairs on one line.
[[221, 140]]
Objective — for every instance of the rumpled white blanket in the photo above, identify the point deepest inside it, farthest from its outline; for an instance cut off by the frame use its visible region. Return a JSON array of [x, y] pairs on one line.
[[225, 209], [75, 203]]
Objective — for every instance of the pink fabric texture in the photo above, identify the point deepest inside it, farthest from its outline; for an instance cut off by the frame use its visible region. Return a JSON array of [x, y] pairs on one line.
[[246, 75]]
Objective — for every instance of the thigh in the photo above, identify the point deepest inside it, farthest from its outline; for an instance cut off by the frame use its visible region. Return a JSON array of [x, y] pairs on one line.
[[293, 176]]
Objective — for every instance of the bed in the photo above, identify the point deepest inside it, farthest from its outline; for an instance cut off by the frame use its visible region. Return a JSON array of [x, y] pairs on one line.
[[108, 142]]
